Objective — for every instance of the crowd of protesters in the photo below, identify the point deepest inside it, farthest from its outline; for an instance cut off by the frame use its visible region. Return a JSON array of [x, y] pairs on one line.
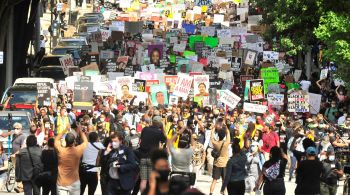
[[70, 150]]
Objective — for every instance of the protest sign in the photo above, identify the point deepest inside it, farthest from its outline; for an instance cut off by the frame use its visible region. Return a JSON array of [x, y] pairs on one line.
[[155, 53], [324, 73], [297, 74], [170, 82], [315, 103], [122, 62], [139, 85], [149, 83], [140, 97], [183, 85], [250, 107], [173, 100], [106, 88], [148, 68], [159, 95], [179, 47], [208, 30], [298, 101], [44, 93], [66, 61], [275, 99], [236, 63], [201, 85], [83, 93], [84, 78], [256, 90], [270, 75], [213, 96], [223, 33], [229, 98], [227, 85], [105, 54], [183, 66], [123, 88], [105, 34], [270, 55], [146, 75], [250, 58]]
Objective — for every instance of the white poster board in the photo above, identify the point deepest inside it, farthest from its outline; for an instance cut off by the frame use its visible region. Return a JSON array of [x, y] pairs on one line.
[[249, 107], [229, 98], [183, 85]]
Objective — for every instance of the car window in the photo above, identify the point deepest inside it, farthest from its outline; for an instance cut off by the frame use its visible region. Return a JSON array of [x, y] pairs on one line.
[[71, 43], [55, 74], [50, 60], [4, 122], [23, 97]]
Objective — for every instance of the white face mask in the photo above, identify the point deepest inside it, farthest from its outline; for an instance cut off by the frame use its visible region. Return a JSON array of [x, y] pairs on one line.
[[17, 131], [115, 145], [47, 126], [200, 116], [331, 158], [176, 119], [255, 138], [102, 119], [133, 132]]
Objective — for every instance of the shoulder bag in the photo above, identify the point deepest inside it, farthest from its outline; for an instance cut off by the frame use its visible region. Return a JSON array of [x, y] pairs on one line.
[[216, 154]]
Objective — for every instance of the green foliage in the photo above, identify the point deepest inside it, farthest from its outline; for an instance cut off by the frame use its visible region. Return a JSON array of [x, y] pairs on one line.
[[334, 31]]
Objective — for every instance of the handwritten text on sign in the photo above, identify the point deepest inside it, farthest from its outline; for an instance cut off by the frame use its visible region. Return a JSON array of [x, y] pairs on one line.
[[249, 107], [229, 98], [275, 99], [66, 61], [183, 85]]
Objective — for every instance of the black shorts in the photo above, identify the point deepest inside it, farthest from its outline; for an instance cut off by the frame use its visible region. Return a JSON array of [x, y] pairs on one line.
[[219, 172]]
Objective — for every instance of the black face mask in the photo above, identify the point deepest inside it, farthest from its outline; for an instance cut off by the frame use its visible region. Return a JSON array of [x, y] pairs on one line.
[[163, 175]]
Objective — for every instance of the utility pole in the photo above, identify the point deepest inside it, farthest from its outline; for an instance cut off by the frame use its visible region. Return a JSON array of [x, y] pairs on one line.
[[37, 30], [9, 51]]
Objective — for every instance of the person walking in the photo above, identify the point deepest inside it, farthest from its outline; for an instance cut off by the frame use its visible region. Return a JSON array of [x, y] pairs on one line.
[[308, 174], [28, 166], [18, 142], [49, 160], [122, 166], [273, 173], [68, 162], [332, 171], [151, 138], [235, 171], [88, 176], [3, 166]]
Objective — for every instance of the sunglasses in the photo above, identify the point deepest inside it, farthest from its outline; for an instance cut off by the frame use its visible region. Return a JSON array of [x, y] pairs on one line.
[[17, 128]]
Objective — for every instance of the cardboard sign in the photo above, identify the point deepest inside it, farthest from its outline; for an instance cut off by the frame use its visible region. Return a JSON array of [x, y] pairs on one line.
[[315, 103], [270, 55], [159, 95], [270, 75], [44, 93], [183, 85], [201, 85], [250, 107], [298, 101], [104, 88], [139, 85], [324, 73], [257, 90], [134, 27], [229, 98], [123, 87], [66, 61], [117, 36], [297, 74], [83, 93], [170, 82], [275, 99]]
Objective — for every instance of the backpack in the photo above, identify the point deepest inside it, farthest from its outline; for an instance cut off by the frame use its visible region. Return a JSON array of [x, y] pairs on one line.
[[273, 171]]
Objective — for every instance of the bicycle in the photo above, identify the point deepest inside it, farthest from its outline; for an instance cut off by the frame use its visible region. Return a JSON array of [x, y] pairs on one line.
[[11, 179]]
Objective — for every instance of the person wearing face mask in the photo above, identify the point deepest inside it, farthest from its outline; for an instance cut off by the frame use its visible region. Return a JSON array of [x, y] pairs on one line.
[[134, 139], [103, 120], [62, 121], [45, 133], [255, 160], [332, 171], [18, 142], [122, 167], [331, 112]]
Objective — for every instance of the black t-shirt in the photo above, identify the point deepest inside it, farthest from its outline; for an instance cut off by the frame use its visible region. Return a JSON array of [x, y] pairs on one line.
[[150, 139], [283, 164], [308, 177], [50, 161]]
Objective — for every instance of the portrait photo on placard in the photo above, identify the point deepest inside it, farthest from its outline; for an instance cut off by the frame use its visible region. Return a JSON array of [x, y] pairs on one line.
[[155, 53], [122, 61]]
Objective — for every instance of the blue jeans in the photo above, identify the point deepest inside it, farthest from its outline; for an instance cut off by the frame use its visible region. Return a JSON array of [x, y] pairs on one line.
[[293, 162]]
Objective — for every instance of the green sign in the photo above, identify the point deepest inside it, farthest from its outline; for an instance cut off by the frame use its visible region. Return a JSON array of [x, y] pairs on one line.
[[270, 75]]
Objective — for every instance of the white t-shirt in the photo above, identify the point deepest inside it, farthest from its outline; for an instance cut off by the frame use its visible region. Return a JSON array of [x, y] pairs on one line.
[[305, 85], [42, 43], [90, 155], [128, 117]]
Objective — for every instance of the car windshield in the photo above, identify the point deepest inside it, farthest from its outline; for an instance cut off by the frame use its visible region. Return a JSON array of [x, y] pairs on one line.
[[50, 61], [4, 122], [55, 74], [23, 97], [71, 43]]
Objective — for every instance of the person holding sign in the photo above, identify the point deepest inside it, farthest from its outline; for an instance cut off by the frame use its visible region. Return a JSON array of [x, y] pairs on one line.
[[202, 90]]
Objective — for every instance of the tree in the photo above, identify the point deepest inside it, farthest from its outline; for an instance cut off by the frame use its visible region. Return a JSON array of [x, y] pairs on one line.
[[334, 32]]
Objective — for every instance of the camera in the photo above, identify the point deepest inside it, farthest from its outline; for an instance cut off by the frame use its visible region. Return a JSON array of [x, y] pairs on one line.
[[115, 164]]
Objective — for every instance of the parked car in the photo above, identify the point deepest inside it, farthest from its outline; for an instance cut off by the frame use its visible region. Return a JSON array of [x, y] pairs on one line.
[[8, 118], [88, 19], [75, 51], [50, 60], [71, 42], [54, 72], [88, 27], [99, 15]]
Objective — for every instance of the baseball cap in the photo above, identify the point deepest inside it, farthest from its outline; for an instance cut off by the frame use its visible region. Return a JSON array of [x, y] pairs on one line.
[[311, 151]]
